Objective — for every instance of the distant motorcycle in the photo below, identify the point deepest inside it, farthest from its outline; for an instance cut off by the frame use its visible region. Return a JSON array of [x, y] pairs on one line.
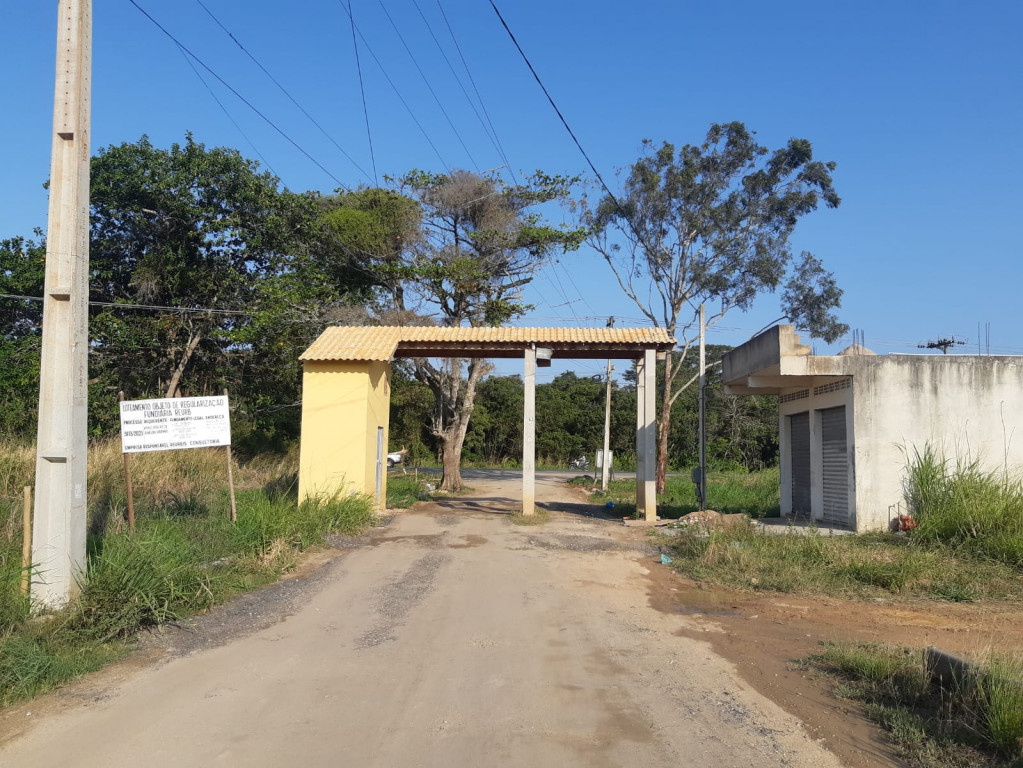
[[582, 464]]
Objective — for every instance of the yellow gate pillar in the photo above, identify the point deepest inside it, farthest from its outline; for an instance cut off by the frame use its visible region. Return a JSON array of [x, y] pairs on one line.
[[345, 409]]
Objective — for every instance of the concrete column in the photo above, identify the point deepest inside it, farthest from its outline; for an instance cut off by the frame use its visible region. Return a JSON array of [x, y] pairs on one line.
[[785, 462], [640, 422], [649, 436], [58, 540], [529, 434]]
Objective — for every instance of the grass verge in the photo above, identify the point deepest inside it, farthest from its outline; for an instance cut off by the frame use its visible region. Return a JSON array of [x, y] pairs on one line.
[[862, 566], [968, 547], [755, 494], [977, 722], [184, 557], [403, 492], [539, 517]]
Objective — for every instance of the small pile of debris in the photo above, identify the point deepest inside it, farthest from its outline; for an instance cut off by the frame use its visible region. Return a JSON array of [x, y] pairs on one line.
[[710, 519]]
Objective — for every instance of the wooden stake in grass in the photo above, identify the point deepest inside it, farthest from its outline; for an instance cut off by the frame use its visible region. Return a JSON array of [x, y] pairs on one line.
[[26, 540], [230, 479], [127, 481]]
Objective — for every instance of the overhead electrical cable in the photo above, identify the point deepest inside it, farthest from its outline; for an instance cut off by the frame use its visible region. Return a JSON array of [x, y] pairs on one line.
[[390, 82], [362, 89], [283, 90], [247, 103], [472, 105], [568, 275], [225, 110], [628, 220], [429, 87], [472, 80], [561, 117]]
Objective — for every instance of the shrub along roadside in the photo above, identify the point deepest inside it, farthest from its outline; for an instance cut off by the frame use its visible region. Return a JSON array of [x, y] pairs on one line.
[[977, 722], [173, 566]]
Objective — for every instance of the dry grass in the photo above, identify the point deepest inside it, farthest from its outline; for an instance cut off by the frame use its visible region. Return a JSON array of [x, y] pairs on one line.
[[157, 478]]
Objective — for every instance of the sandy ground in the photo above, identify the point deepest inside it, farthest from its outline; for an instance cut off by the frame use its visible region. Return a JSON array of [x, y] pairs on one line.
[[450, 637]]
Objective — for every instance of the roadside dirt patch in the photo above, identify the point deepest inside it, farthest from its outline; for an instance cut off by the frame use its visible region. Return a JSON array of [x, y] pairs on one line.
[[764, 634]]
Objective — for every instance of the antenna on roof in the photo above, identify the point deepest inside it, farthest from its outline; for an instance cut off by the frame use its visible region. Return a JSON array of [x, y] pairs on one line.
[[942, 344]]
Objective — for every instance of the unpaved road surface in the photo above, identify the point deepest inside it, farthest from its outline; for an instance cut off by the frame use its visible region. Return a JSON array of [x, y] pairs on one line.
[[451, 637]]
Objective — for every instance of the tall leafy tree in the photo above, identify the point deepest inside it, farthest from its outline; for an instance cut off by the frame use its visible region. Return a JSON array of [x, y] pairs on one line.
[[711, 223], [22, 266], [482, 242], [190, 231]]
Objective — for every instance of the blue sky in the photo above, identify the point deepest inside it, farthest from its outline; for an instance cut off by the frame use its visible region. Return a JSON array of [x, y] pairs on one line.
[[920, 104]]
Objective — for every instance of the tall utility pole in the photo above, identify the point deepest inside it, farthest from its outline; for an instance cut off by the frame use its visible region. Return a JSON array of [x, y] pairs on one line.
[[606, 463], [942, 344], [703, 419], [58, 540]]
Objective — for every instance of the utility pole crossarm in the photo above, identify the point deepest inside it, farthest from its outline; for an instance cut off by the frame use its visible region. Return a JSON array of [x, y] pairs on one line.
[[943, 344]]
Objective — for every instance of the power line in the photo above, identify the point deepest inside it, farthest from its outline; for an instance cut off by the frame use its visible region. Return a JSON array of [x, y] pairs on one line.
[[281, 87], [393, 87], [472, 80], [493, 140], [429, 87], [247, 103], [362, 90], [125, 305], [223, 108], [561, 117]]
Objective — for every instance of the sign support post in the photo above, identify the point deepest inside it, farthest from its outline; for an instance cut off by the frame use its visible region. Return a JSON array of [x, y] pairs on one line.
[[26, 540], [230, 478], [127, 481]]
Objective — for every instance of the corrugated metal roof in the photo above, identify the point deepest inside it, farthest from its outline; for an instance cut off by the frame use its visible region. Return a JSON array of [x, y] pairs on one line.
[[355, 343], [381, 342]]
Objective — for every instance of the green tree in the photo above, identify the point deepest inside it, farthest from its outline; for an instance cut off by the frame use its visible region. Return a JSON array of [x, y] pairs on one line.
[[569, 417], [711, 224], [481, 244], [495, 431], [192, 231], [22, 266]]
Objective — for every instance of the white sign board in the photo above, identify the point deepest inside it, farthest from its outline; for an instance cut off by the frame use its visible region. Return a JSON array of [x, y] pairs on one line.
[[174, 423]]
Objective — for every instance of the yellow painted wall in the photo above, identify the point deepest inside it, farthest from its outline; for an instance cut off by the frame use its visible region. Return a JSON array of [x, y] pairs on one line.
[[343, 404]]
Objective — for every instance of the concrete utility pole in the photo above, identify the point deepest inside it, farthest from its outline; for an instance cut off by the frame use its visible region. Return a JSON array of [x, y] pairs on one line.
[[703, 412], [58, 540], [606, 463]]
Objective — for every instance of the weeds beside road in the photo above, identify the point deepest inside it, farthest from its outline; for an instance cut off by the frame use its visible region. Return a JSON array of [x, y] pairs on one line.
[[184, 557], [974, 721]]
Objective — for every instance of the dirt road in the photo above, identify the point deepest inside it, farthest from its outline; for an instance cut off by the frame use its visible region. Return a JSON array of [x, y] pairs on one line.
[[449, 638]]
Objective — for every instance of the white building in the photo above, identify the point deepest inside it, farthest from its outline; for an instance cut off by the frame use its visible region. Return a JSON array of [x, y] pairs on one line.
[[849, 422]]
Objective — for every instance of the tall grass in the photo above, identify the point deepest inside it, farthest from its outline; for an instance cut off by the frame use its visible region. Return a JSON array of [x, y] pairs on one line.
[[809, 562], [976, 721], [184, 556], [961, 504]]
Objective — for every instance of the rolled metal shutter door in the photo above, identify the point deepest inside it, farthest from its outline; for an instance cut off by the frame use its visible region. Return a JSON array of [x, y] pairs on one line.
[[836, 466], [799, 443]]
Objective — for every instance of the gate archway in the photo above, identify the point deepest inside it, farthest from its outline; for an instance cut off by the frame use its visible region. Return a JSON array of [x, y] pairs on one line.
[[346, 396]]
